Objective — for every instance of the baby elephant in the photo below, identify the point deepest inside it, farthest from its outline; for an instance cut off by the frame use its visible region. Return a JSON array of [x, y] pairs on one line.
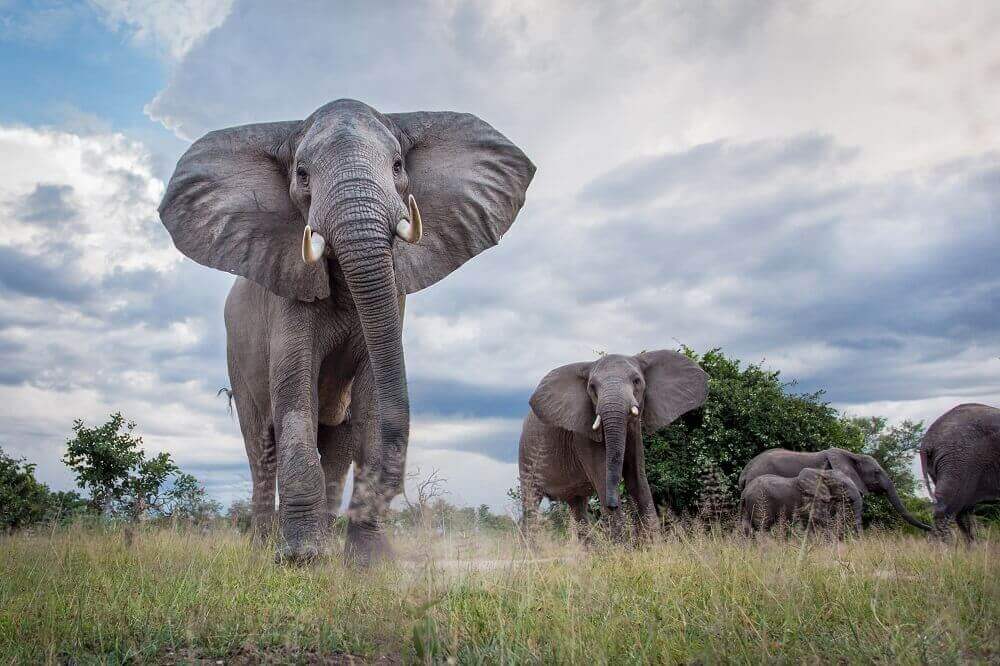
[[769, 499], [584, 431]]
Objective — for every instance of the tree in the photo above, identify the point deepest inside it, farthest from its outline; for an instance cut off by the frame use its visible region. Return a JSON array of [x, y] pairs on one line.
[[188, 501], [240, 514], [110, 464], [894, 447], [748, 410], [23, 500]]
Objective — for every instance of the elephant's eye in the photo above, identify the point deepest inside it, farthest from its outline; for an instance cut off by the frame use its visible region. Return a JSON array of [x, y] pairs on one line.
[[636, 381], [303, 176], [397, 166]]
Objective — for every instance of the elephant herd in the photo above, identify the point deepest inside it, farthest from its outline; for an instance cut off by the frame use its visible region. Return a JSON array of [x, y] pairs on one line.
[[583, 435], [329, 223]]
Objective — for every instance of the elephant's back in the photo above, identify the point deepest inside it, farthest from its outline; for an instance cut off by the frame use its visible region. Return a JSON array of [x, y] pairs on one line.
[[779, 462], [968, 424]]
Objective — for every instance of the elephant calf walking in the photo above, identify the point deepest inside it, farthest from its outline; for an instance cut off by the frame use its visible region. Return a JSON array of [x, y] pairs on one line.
[[584, 431], [815, 498]]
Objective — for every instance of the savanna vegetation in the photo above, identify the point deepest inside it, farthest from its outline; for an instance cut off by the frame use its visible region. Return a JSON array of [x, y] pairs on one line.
[[179, 595], [141, 566]]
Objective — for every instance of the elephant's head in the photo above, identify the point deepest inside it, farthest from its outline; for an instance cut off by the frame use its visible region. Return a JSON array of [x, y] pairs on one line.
[[869, 477], [814, 485], [390, 202], [603, 398]]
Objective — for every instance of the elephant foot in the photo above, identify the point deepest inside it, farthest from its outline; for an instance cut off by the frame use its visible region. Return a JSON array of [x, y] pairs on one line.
[[297, 554], [367, 545]]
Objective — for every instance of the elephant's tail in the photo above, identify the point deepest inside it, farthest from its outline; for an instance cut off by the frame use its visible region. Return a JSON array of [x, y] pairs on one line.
[[229, 397], [924, 468]]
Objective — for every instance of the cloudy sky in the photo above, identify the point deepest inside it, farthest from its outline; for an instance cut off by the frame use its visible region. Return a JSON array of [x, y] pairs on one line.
[[813, 186]]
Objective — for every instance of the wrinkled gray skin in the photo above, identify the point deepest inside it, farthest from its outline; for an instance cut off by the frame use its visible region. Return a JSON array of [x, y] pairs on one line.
[[769, 499], [563, 458], [315, 349], [960, 454], [863, 470]]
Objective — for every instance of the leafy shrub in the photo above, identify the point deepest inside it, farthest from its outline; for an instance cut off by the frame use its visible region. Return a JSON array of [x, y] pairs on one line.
[[748, 410], [23, 500], [124, 482]]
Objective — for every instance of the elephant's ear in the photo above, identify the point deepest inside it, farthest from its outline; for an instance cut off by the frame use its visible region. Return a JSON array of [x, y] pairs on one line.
[[561, 400], [843, 462], [674, 385], [469, 182], [227, 207], [811, 483]]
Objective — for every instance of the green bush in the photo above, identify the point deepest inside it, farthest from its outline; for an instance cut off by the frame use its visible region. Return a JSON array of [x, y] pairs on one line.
[[23, 500], [748, 410]]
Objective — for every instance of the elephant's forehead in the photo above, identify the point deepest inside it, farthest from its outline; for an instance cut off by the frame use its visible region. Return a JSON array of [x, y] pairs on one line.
[[350, 122], [615, 364]]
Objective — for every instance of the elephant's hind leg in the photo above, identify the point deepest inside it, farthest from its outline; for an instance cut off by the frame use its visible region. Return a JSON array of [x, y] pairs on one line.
[[335, 453], [581, 520], [967, 523], [945, 511], [258, 438]]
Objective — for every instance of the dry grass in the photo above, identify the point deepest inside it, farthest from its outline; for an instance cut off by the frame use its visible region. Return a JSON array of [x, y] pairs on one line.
[[169, 596]]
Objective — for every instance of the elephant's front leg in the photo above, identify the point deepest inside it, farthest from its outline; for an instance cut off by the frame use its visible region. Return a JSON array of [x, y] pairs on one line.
[[302, 497], [638, 489], [366, 538]]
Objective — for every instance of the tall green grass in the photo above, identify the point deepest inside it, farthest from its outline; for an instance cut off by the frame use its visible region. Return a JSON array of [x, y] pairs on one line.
[[89, 595]]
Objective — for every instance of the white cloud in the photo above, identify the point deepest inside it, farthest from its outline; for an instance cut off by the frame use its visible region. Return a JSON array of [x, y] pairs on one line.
[[108, 194], [172, 27]]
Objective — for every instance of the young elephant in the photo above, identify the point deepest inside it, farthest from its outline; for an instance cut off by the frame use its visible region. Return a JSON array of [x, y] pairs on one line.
[[584, 430], [769, 498]]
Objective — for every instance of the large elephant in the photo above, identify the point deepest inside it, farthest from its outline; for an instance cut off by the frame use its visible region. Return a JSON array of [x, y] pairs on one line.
[[584, 430], [960, 453], [311, 214], [863, 470], [814, 498]]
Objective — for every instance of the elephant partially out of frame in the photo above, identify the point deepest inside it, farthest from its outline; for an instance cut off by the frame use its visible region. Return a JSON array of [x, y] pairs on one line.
[[960, 454], [583, 433], [329, 222], [815, 498], [863, 470]]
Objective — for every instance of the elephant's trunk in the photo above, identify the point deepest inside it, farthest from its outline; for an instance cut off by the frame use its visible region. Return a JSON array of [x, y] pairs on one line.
[[362, 243], [897, 504], [615, 425]]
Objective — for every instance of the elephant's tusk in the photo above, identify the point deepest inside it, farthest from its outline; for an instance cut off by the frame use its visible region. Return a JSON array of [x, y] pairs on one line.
[[597, 423], [634, 410], [411, 231], [313, 246]]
